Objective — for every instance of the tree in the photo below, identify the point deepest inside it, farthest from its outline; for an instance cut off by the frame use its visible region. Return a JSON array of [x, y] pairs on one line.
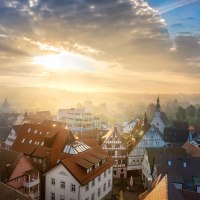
[[191, 111], [198, 114], [181, 114]]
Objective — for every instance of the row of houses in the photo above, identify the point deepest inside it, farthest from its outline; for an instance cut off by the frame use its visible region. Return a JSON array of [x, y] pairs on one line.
[[54, 165]]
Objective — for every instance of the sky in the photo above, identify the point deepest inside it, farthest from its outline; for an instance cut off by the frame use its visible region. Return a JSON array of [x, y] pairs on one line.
[[128, 46]]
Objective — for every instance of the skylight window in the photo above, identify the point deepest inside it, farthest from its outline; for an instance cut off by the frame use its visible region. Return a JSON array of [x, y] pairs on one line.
[[30, 141], [42, 143], [29, 129], [40, 132], [35, 131], [23, 140]]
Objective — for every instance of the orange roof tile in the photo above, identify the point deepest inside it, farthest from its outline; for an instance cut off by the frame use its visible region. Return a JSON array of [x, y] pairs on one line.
[[79, 172]]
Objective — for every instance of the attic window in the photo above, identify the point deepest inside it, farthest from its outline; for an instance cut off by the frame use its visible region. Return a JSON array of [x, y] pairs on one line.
[[169, 162], [29, 129], [23, 140], [35, 131], [103, 161], [184, 164], [96, 165]]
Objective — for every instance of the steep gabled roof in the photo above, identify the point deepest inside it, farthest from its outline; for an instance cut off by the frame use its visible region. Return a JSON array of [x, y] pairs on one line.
[[164, 118], [115, 133], [77, 164], [8, 193], [39, 140], [8, 162], [165, 190]]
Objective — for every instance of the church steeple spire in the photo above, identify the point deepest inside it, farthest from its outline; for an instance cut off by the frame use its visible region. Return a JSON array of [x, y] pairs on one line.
[[158, 105], [145, 119]]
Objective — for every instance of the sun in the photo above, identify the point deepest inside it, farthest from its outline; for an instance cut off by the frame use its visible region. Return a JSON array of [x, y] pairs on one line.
[[52, 62], [64, 61]]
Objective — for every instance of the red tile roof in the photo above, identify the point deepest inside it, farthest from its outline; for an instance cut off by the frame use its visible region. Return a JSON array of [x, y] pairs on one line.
[[73, 163], [38, 140]]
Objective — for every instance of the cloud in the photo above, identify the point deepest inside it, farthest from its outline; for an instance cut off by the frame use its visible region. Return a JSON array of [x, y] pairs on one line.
[[126, 35], [178, 4]]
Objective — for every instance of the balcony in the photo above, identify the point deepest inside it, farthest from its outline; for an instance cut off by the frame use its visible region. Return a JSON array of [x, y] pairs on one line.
[[34, 195], [32, 183]]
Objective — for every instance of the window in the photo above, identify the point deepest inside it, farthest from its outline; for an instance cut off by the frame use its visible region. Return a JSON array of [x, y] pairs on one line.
[[92, 196], [53, 182], [109, 181], [42, 143], [73, 188], [35, 159], [62, 184], [109, 171], [38, 143], [62, 197], [122, 170], [99, 178], [87, 198], [40, 132], [30, 141], [53, 196], [104, 187], [23, 140], [96, 165], [105, 174], [114, 172], [93, 182], [17, 179], [35, 131], [184, 164], [169, 162], [29, 129], [99, 192], [39, 160], [87, 187]]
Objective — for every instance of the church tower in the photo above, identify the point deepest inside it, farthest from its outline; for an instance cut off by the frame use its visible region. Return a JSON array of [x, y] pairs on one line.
[[159, 120]]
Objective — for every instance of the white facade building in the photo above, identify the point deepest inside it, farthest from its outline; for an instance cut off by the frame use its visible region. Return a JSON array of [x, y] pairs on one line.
[[81, 176], [116, 147], [79, 119], [149, 136]]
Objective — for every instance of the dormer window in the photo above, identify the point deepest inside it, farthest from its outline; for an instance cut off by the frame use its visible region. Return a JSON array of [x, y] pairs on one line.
[[184, 164], [169, 162], [96, 165]]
